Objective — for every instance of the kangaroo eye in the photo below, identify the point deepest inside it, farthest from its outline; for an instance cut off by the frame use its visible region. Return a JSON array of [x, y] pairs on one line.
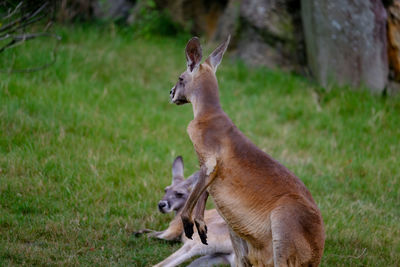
[[178, 195]]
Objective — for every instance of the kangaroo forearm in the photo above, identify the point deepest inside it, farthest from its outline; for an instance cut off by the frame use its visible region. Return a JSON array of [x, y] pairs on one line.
[[201, 206], [194, 195], [197, 191], [143, 231], [168, 235]]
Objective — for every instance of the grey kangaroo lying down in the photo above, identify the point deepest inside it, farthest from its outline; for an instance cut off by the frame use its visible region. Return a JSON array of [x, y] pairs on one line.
[[219, 249]]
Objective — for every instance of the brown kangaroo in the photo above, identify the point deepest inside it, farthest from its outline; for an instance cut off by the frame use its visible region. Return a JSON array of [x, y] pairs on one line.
[[272, 217], [219, 249]]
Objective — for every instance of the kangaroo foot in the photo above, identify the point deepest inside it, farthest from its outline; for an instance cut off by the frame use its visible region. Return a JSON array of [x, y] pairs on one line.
[[188, 227], [202, 230]]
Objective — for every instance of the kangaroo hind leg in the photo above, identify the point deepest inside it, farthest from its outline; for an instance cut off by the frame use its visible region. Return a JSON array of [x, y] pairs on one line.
[[179, 256], [210, 260], [240, 248], [290, 247]]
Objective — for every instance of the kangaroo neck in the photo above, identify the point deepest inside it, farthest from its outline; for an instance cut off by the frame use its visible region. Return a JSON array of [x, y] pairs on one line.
[[206, 101]]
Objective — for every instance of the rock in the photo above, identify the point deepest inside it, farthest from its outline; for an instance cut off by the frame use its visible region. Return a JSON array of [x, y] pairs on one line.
[[201, 17], [228, 22], [394, 39], [255, 51], [346, 42], [269, 33], [268, 16], [264, 32]]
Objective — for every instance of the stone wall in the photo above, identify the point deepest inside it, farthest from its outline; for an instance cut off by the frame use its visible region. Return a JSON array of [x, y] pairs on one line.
[[346, 42]]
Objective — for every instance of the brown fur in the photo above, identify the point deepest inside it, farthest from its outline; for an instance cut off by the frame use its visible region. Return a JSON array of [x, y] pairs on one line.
[[261, 200]]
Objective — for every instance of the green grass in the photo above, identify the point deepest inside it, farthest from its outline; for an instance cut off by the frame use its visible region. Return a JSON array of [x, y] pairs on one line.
[[86, 147]]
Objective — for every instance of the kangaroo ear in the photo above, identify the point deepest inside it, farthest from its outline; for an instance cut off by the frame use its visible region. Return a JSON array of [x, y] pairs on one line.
[[177, 169], [192, 180], [193, 54], [216, 56]]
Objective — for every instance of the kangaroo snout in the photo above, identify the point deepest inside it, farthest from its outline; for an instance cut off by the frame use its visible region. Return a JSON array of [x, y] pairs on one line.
[[177, 97], [161, 205], [172, 93]]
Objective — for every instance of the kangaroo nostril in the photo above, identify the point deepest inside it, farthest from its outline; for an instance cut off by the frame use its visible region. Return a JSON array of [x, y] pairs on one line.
[[161, 204]]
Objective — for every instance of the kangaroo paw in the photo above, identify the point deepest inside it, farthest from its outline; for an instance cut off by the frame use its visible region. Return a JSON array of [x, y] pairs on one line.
[[188, 227], [202, 230], [143, 231], [140, 232]]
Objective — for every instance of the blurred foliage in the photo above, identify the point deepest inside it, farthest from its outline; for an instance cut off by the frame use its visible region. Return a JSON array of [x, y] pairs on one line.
[[22, 22], [149, 20], [74, 10], [146, 17]]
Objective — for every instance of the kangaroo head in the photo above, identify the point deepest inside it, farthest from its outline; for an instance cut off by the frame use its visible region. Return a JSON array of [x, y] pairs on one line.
[[197, 76], [178, 192]]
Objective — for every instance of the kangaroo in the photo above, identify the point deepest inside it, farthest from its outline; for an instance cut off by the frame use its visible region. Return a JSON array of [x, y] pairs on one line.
[[219, 249], [272, 217]]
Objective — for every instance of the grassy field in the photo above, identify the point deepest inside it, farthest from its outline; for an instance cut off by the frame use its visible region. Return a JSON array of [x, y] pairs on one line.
[[86, 147]]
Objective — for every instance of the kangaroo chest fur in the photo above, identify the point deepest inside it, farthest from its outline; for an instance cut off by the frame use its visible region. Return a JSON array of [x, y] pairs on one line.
[[206, 147], [228, 188]]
